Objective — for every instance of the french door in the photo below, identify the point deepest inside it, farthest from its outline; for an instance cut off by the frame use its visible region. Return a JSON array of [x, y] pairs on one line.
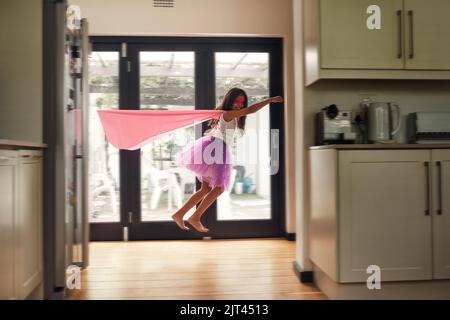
[[141, 189]]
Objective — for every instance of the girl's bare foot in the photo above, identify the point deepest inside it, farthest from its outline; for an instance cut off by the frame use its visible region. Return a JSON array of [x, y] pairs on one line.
[[197, 225], [179, 220]]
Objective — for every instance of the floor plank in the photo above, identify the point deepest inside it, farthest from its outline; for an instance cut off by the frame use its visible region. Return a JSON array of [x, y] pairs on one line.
[[193, 270]]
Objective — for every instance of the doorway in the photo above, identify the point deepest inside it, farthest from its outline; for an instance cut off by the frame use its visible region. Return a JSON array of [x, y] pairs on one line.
[[134, 193]]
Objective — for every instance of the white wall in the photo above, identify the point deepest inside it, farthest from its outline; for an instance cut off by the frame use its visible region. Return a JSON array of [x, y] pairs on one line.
[[21, 70], [301, 176], [411, 95], [208, 18], [188, 17]]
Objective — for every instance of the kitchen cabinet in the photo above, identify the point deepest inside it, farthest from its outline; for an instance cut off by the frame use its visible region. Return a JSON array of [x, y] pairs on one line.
[[29, 222], [441, 214], [384, 214], [410, 42], [8, 207], [21, 241], [347, 43], [427, 34], [388, 208]]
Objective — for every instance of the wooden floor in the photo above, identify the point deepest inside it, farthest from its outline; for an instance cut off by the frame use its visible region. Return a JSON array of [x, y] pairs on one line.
[[193, 270]]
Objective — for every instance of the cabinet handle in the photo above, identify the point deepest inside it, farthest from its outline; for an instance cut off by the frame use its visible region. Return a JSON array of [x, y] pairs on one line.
[[31, 156], [439, 167], [400, 34], [411, 34], [427, 188]]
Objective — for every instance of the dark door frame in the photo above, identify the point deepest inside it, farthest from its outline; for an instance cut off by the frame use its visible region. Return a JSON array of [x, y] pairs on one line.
[[204, 49], [113, 231]]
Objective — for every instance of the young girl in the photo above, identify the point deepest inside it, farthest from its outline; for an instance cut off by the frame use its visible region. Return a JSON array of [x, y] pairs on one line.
[[215, 175]]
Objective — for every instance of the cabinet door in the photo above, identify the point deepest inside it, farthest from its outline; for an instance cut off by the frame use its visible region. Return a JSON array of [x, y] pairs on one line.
[[29, 222], [441, 214], [347, 42], [8, 205], [427, 26], [384, 216]]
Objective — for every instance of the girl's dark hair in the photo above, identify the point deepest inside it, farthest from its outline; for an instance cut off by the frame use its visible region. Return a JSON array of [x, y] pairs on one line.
[[227, 104]]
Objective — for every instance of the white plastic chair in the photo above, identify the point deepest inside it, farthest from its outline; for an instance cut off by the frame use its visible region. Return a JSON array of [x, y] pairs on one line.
[[161, 181], [105, 185], [186, 176], [224, 200], [225, 196], [101, 182]]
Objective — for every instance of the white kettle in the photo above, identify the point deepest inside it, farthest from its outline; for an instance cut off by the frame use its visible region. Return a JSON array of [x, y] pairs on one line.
[[380, 121]]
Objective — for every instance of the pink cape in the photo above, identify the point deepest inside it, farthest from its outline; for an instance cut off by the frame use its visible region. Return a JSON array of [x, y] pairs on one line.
[[132, 129]]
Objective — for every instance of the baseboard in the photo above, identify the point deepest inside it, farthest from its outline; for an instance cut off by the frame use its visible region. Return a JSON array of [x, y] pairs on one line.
[[290, 236], [303, 276], [37, 293], [57, 294], [401, 290]]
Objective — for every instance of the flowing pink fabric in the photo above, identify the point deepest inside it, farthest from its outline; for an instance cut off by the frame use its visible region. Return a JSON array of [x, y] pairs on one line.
[[132, 129]]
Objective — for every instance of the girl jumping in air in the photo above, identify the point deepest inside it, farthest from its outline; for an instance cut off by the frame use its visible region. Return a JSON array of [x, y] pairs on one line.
[[209, 157]]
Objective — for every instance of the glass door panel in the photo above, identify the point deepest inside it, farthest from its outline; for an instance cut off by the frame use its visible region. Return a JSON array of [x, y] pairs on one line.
[[250, 195], [104, 183], [166, 82], [159, 73]]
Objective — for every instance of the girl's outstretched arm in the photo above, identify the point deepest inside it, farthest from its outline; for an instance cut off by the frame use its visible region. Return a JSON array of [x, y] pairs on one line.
[[230, 115]]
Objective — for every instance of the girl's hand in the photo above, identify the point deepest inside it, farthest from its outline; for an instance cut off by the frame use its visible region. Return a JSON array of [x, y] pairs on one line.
[[276, 99]]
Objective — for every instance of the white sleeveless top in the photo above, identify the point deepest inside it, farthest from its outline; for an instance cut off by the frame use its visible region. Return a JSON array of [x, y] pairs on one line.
[[226, 130]]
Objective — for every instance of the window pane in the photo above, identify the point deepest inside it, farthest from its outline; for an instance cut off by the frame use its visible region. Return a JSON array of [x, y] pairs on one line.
[[166, 83], [104, 199], [249, 197]]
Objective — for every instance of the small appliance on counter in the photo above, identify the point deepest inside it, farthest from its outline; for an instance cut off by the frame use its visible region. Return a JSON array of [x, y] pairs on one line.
[[334, 126], [380, 122], [429, 127]]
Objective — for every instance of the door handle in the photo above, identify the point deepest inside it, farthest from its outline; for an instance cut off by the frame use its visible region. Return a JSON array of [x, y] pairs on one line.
[[427, 188], [130, 217], [411, 33], [439, 174], [400, 34]]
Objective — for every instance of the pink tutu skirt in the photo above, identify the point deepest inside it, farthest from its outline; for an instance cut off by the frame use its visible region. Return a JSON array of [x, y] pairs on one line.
[[210, 159]]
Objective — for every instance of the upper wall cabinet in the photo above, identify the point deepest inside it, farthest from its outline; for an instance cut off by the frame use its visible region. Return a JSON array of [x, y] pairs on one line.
[[348, 43], [427, 31], [376, 39]]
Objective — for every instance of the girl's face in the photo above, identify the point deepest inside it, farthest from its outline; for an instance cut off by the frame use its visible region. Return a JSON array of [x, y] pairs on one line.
[[239, 102]]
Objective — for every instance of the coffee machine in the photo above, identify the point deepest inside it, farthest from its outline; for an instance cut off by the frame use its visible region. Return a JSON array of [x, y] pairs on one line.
[[334, 126]]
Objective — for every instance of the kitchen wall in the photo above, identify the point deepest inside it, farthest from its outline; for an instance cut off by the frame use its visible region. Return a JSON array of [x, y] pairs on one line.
[[301, 183], [411, 95], [21, 70], [258, 18], [188, 17]]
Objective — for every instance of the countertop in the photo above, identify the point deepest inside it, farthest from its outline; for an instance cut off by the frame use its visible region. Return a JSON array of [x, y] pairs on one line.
[[20, 144], [387, 146]]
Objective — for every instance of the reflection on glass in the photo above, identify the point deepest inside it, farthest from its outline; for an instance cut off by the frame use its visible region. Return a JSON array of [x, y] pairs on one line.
[[249, 198], [104, 199], [166, 83]]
